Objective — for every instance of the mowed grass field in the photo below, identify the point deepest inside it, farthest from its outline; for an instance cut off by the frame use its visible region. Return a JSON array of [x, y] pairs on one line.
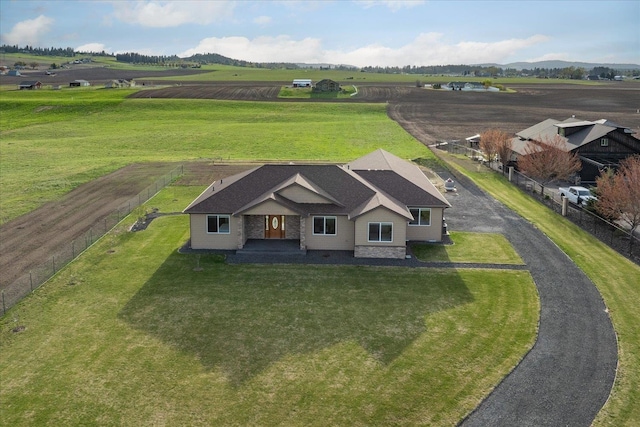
[[131, 333], [53, 141], [82, 381]]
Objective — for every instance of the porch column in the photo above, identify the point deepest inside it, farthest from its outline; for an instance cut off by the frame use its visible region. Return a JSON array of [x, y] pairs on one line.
[[303, 233], [240, 232]]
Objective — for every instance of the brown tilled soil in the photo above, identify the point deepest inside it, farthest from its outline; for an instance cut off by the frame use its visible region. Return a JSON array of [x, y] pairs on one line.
[[429, 115], [33, 238]]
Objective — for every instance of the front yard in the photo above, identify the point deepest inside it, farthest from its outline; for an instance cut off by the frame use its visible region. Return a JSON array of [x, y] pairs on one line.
[[132, 333]]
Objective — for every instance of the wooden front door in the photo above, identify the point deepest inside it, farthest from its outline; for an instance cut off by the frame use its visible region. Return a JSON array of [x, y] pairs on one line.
[[274, 227]]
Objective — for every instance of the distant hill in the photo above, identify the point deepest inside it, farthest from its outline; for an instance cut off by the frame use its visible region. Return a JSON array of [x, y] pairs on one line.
[[562, 64]]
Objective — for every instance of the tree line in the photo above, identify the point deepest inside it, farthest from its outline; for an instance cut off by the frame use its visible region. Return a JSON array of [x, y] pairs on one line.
[[575, 73]]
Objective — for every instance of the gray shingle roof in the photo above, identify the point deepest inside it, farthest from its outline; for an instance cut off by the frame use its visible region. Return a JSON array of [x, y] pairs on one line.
[[395, 185]]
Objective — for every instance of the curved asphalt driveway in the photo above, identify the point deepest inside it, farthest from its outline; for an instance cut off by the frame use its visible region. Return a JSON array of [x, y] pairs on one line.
[[567, 376]]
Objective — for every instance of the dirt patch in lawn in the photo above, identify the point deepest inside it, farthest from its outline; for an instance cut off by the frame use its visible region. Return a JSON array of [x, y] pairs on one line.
[[30, 240]]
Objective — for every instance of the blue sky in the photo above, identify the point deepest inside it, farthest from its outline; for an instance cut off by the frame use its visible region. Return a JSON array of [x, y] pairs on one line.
[[361, 33]]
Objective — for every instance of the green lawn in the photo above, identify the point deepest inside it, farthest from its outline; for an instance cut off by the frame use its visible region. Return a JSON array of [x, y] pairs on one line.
[[53, 141], [307, 93], [617, 279], [131, 334], [485, 248]]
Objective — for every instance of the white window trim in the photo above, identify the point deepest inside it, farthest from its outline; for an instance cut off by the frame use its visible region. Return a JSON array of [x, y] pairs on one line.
[[313, 228], [218, 220], [419, 212], [604, 142], [380, 223]]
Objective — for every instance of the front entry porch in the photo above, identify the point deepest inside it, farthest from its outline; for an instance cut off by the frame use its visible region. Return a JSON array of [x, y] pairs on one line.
[[272, 246]]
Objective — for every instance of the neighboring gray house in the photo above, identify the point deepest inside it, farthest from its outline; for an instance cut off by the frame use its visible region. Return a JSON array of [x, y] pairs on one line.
[[599, 144], [372, 206]]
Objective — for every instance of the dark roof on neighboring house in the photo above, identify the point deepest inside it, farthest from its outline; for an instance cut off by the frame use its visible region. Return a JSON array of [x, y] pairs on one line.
[[578, 132], [352, 189]]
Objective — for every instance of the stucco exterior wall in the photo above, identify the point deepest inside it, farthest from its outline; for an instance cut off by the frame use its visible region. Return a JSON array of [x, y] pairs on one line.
[[430, 233], [399, 235], [269, 207], [342, 241], [301, 195], [200, 239]]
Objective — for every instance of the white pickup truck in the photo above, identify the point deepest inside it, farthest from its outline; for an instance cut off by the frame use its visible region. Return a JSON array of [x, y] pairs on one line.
[[576, 195]]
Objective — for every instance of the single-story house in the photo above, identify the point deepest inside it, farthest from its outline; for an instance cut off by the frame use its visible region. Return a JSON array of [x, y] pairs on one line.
[[302, 83], [14, 73], [119, 83], [599, 144], [372, 206], [327, 85], [31, 84], [79, 83]]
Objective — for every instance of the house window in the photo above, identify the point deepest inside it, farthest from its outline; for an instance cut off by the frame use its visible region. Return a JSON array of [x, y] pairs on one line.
[[604, 142], [324, 225], [218, 224], [380, 232], [421, 216]]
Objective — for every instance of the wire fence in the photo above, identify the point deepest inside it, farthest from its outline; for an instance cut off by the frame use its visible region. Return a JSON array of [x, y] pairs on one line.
[[612, 234], [39, 275]]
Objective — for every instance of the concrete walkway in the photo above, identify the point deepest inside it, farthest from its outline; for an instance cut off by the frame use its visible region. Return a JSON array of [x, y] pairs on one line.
[[567, 376]]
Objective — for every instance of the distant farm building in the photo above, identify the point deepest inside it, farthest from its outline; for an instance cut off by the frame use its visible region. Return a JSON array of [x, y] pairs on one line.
[[119, 83], [29, 85], [327, 85], [14, 73], [79, 83], [302, 83]]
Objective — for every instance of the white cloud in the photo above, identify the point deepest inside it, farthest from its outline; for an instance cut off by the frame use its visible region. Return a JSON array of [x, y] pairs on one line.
[[28, 32], [262, 20], [391, 4], [260, 49], [92, 47], [426, 49], [430, 49], [162, 14]]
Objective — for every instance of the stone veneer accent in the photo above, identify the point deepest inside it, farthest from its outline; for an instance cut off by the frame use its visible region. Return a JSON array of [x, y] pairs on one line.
[[303, 233], [254, 226], [398, 252], [292, 227], [239, 233]]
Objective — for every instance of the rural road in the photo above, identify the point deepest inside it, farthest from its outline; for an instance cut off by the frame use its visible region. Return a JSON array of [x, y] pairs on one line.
[[567, 376]]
